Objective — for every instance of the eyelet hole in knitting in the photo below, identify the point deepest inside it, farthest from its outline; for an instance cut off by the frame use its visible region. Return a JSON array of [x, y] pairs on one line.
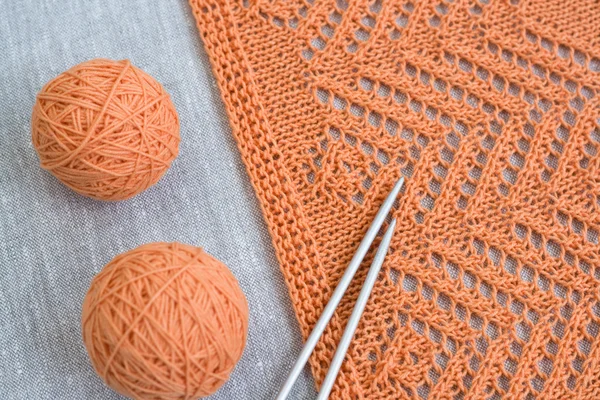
[[402, 20], [308, 54], [391, 126], [374, 119], [357, 110]]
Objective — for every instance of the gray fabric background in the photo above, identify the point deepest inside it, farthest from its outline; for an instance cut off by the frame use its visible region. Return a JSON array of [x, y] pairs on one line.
[[53, 241]]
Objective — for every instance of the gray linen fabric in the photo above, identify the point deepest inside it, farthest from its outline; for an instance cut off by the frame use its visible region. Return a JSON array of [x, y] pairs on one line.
[[53, 241]]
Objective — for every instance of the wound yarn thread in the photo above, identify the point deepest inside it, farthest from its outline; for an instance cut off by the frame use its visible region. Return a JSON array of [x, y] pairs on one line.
[[106, 129], [490, 109], [165, 321]]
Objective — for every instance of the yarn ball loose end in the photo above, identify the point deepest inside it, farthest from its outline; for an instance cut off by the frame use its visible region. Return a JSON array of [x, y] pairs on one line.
[[165, 321], [106, 129]]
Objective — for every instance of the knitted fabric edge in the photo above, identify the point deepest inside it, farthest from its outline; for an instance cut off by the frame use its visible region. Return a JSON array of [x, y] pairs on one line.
[[290, 234]]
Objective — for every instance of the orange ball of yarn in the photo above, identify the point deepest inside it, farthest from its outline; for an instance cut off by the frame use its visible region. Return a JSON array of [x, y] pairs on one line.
[[106, 129], [165, 321]]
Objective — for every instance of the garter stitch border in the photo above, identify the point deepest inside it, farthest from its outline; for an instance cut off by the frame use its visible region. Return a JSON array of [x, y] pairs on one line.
[[491, 111]]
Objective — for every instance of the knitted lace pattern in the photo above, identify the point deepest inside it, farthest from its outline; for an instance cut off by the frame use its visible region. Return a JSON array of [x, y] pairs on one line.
[[490, 109]]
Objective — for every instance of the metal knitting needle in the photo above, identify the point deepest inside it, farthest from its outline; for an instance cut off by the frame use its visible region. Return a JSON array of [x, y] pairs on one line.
[[359, 307], [339, 291]]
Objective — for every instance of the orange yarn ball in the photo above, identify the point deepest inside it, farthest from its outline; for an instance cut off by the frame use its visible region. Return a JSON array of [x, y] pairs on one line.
[[106, 129], [165, 321]]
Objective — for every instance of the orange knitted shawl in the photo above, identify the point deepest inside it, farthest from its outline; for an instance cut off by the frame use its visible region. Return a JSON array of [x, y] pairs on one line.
[[490, 109]]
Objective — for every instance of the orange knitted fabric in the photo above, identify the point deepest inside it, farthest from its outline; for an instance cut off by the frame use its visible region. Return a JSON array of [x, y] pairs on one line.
[[491, 111]]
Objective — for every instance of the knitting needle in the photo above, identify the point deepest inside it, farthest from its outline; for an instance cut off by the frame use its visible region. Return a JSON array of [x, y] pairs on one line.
[[339, 291], [359, 307]]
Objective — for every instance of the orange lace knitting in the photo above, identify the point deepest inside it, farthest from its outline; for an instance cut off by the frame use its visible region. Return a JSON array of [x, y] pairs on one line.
[[491, 111]]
